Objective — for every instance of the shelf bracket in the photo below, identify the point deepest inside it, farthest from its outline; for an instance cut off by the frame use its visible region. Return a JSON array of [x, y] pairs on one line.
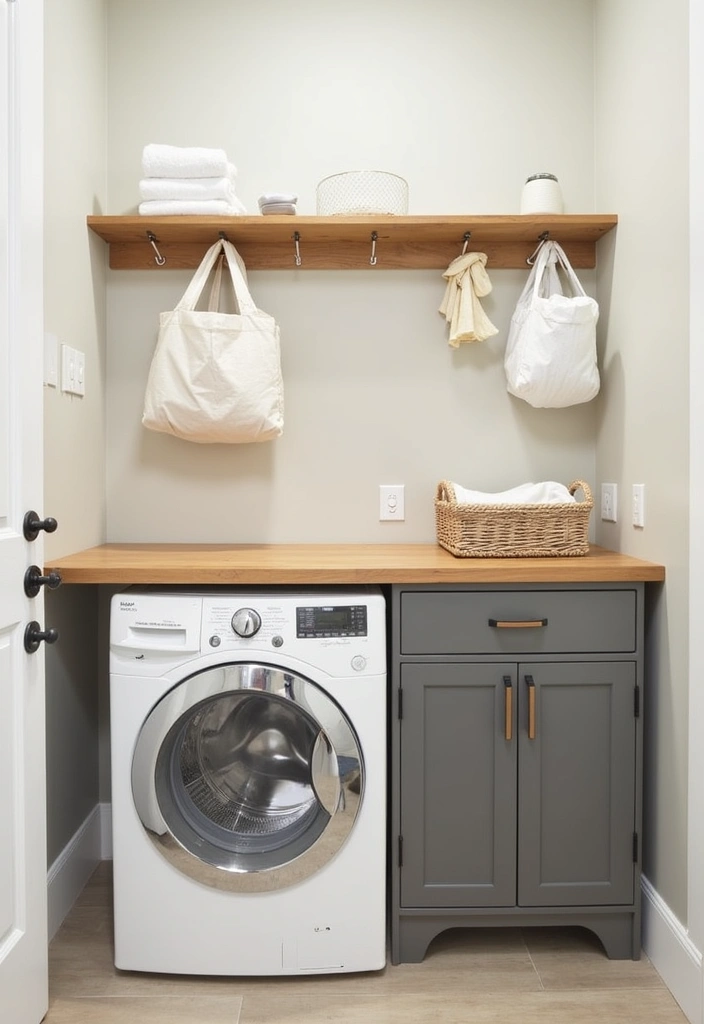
[[296, 240], [372, 258]]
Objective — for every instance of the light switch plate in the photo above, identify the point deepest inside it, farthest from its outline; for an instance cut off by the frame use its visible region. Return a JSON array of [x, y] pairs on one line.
[[80, 373], [73, 370], [51, 360], [68, 368]]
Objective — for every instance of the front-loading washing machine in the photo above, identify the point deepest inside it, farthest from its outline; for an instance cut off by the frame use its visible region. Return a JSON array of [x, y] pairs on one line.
[[248, 749]]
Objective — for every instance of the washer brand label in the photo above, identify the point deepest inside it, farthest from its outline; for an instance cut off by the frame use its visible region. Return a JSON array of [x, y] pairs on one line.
[[158, 624], [126, 604]]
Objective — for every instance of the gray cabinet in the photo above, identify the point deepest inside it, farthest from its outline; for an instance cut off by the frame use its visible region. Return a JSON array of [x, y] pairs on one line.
[[459, 787], [516, 761]]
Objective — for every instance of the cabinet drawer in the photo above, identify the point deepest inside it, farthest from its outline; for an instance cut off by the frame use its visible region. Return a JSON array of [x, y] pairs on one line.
[[551, 621]]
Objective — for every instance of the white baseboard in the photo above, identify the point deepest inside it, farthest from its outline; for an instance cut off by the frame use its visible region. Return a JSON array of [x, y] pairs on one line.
[[72, 868], [672, 953]]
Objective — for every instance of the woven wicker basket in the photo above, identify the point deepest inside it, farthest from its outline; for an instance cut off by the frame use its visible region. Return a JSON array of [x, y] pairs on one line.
[[512, 531]]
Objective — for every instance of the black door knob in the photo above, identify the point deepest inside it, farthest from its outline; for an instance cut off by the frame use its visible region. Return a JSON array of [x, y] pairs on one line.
[[33, 636], [34, 581], [32, 524]]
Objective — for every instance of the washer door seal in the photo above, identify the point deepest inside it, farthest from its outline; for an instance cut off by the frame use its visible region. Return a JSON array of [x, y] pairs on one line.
[[247, 777]]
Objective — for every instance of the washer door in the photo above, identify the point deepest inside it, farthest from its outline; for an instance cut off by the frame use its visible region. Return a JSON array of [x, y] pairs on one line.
[[247, 777]]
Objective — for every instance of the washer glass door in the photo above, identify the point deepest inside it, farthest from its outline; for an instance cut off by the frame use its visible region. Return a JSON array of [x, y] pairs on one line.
[[247, 777]]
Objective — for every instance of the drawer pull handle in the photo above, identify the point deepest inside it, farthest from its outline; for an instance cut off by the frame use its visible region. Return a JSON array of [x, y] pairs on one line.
[[518, 623], [508, 708], [531, 707]]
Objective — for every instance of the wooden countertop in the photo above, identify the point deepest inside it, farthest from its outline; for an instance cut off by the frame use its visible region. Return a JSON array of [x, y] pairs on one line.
[[337, 563]]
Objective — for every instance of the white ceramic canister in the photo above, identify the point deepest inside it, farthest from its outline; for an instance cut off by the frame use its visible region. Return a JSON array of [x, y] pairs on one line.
[[541, 194]]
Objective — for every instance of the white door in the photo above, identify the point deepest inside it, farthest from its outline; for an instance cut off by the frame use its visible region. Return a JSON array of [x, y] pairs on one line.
[[23, 937]]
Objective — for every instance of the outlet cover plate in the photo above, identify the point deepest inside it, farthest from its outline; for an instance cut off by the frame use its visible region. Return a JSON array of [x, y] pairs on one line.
[[609, 503], [391, 502]]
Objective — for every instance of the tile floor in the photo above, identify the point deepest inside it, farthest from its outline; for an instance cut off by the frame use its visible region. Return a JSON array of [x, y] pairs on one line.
[[511, 976]]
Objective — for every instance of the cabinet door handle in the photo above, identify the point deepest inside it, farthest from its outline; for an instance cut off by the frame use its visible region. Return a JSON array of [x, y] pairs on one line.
[[531, 707], [508, 708], [518, 623]]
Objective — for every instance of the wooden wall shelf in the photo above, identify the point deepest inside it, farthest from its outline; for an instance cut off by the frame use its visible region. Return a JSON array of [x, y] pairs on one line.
[[344, 243]]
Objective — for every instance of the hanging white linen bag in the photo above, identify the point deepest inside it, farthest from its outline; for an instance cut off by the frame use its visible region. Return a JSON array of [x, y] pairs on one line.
[[550, 358], [216, 377]]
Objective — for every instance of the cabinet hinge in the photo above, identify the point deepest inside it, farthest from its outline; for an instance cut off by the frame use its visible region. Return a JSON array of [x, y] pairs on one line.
[[400, 851], [400, 702], [635, 847], [636, 701]]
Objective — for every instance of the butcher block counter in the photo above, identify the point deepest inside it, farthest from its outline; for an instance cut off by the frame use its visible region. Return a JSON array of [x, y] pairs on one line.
[[313, 564]]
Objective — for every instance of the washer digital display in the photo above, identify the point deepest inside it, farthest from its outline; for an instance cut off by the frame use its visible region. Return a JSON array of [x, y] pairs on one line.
[[331, 620]]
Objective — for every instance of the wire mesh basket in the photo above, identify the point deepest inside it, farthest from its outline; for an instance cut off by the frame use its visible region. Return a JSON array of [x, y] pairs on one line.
[[357, 193]]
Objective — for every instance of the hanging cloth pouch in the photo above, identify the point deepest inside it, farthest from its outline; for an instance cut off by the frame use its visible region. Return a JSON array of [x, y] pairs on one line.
[[216, 377], [550, 359]]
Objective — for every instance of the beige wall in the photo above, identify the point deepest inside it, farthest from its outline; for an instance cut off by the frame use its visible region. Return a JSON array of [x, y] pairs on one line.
[[374, 394], [643, 428], [75, 184], [74, 442], [452, 98]]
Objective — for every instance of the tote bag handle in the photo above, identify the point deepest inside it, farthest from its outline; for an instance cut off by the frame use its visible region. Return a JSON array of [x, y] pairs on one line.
[[245, 302], [567, 267], [543, 278]]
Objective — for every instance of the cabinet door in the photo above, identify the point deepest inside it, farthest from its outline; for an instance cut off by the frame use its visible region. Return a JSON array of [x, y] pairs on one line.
[[576, 788], [458, 785]]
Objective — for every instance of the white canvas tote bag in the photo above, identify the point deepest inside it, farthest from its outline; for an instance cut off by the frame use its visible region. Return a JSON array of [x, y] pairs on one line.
[[550, 358], [216, 377]]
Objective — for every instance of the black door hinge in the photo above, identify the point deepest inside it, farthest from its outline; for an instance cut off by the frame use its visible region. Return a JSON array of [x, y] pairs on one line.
[[400, 702], [636, 701], [635, 847], [400, 851]]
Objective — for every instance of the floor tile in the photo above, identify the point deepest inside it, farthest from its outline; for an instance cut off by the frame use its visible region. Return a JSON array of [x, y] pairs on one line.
[[448, 1007], [98, 893], [573, 959], [155, 1010], [482, 976]]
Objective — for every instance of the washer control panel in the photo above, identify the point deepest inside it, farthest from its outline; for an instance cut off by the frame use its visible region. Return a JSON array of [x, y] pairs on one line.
[[318, 621], [338, 631]]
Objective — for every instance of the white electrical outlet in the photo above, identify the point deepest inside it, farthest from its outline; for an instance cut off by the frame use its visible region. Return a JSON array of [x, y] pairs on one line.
[[609, 503], [639, 504], [391, 501]]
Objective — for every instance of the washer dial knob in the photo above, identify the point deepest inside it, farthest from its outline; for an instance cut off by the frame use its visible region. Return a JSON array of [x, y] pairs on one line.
[[246, 622]]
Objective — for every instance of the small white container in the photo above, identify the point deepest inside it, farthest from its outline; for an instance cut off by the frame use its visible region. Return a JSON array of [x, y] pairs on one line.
[[542, 194]]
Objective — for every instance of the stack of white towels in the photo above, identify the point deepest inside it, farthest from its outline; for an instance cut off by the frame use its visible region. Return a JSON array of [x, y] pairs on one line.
[[547, 492], [187, 180]]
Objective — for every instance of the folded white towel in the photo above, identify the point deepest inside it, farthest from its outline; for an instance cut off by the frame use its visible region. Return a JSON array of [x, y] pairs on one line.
[[546, 493], [277, 197], [267, 209], [203, 208], [187, 188], [160, 161]]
